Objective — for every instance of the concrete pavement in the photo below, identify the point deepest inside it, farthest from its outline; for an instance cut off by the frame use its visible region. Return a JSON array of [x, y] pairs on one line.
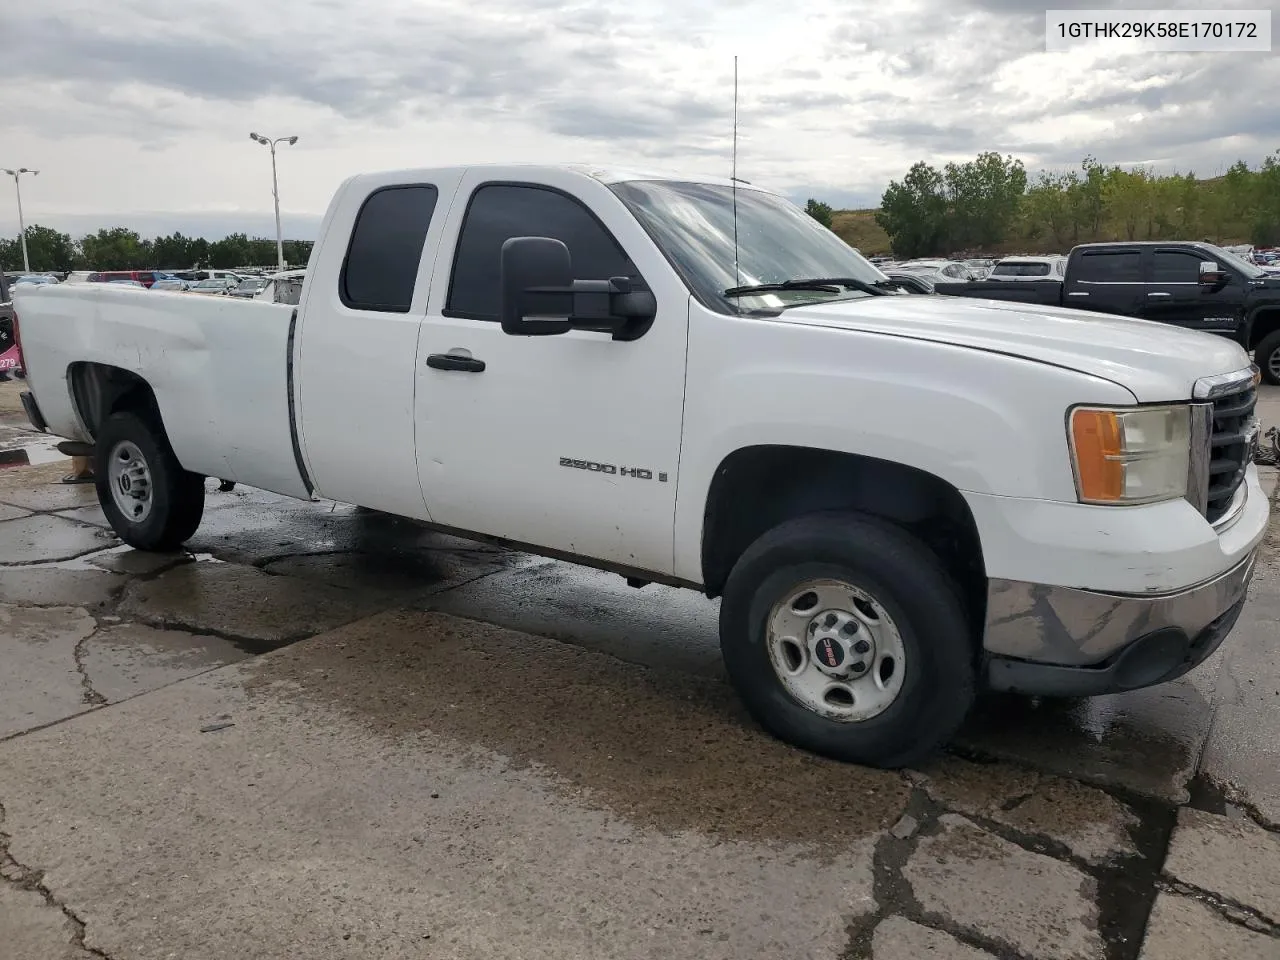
[[327, 733]]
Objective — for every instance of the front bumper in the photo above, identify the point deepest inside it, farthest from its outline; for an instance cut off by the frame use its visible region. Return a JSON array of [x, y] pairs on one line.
[[1136, 641]]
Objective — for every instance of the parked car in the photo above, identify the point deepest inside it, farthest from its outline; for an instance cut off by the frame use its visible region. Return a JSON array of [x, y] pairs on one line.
[[214, 286], [127, 283], [8, 344], [34, 278], [909, 282], [1043, 516], [282, 287], [248, 287], [1027, 268], [170, 283], [1194, 285], [144, 277]]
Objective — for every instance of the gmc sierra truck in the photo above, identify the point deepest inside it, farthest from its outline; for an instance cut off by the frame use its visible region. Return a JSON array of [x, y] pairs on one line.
[[900, 500], [1194, 285]]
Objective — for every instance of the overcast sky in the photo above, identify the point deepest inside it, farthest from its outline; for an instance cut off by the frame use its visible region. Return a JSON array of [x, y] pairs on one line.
[[142, 115]]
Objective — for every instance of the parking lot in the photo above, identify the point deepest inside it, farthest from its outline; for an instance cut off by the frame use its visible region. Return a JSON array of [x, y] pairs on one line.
[[324, 732]]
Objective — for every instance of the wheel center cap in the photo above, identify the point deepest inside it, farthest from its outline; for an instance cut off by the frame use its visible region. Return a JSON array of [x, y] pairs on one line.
[[839, 644], [125, 483]]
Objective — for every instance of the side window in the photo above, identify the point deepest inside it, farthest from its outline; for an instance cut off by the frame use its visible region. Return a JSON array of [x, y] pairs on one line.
[[498, 212], [1105, 266], [386, 248], [1175, 266]]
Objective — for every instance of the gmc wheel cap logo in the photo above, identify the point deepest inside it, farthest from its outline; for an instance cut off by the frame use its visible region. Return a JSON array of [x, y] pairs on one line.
[[830, 652]]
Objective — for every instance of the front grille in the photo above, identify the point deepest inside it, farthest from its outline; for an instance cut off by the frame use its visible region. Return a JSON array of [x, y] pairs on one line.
[[1230, 448]]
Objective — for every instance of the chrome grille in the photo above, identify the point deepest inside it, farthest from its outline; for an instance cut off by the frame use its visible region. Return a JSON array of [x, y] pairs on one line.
[[1230, 448]]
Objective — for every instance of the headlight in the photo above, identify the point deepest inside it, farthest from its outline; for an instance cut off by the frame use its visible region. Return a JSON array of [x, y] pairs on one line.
[[1133, 455]]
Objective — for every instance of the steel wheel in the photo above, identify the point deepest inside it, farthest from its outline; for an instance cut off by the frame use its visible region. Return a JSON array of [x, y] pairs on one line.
[[129, 479], [836, 650]]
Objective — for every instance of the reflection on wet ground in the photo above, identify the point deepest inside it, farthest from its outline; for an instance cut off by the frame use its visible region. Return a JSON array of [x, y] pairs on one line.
[[265, 570]]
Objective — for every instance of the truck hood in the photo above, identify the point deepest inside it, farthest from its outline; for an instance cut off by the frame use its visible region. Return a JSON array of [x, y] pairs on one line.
[[1154, 361]]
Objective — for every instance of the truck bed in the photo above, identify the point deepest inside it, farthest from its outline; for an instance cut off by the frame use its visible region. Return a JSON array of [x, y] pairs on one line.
[[217, 366]]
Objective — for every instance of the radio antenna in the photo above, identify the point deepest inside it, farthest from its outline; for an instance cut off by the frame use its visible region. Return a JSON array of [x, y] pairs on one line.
[[733, 179]]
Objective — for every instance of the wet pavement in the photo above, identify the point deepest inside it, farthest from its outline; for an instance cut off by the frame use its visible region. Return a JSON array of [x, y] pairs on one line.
[[325, 732]]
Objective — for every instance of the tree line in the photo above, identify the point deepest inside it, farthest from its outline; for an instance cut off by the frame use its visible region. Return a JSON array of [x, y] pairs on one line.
[[118, 248], [973, 207]]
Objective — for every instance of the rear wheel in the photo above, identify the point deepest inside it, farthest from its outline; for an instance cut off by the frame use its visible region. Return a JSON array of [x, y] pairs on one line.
[[844, 635], [1267, 357], [149, 500]]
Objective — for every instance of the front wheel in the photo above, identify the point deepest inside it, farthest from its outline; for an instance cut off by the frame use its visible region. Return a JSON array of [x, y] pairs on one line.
[[844, 635], [149, 500], [1267, 357]]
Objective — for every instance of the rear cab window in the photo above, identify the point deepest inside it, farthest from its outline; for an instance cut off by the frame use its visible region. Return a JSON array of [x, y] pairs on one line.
[[1016, 268], [380, 269], [1108, 266]]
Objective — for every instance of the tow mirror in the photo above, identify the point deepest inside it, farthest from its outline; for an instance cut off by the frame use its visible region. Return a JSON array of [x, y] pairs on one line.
[[540, 297], [535, 277], [1212, 275]]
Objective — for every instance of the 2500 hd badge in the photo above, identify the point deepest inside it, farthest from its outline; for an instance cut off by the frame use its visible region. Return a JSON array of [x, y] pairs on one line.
[[640, 473]]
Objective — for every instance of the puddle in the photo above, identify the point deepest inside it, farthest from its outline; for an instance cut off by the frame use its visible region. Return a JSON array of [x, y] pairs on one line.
[[32, 453]]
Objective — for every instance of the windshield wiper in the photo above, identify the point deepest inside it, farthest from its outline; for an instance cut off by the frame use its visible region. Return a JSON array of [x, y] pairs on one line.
[[821, 284]]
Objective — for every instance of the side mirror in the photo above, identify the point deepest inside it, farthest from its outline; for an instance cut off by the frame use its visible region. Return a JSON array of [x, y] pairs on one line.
[[536, 280], [535, 277], [1211, 275]]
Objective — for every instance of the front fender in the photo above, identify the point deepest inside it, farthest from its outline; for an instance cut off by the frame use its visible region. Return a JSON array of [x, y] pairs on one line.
[[982, 422]]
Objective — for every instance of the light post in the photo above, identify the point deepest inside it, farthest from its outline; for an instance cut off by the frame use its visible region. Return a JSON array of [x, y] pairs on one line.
[[22, 229], [275, 189]]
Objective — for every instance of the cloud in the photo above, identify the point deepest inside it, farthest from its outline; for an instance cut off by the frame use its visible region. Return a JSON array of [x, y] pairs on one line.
[[149, 108]]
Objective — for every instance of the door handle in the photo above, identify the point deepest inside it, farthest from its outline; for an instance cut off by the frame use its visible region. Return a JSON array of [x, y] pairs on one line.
[[451, 361], [1158, 293]]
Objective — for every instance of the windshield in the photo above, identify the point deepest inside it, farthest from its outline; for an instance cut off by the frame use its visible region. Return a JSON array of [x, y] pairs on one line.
[[693, 225], [1244, 266]]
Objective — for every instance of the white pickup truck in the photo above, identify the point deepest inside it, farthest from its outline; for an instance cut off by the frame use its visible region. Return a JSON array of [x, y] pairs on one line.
[[901, 500]]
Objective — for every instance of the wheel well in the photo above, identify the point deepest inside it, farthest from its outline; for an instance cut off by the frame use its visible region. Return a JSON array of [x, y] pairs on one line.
[[99, 390], [757, 488], [1265, 323]]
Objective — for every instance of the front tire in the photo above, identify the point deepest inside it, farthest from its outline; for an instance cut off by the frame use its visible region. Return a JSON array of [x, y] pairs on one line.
[[844, 635], [149, 500], [1267, 357]]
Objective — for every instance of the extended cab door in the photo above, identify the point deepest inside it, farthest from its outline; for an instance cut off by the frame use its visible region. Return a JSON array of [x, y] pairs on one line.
[[568, 442], [1175, 295], [357, 338], [1106, 279]]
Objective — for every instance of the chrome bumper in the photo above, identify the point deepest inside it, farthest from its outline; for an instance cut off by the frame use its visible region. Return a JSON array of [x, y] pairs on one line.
[[1049, 639]]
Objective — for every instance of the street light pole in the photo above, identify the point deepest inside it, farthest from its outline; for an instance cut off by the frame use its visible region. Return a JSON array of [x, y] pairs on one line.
[[22, 228], [275, 189]]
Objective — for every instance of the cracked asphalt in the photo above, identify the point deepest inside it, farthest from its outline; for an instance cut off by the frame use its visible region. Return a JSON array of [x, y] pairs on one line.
[[324, 732]]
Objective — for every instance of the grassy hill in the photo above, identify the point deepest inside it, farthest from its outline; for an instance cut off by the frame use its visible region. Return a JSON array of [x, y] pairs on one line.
[[858, 228]]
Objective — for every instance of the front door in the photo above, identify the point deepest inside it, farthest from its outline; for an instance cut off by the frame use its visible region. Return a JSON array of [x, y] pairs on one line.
[[1174, 294], [569, 442]]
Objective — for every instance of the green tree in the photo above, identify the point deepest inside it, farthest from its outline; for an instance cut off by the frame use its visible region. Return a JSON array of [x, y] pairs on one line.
[[173, 252], [819, 211], [914, 212], [983, 198], [231, 251], [117, 248]]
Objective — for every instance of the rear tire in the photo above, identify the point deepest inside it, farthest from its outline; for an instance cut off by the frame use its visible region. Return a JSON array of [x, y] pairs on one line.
[[149, 500], [1267, 357], [851, 566]]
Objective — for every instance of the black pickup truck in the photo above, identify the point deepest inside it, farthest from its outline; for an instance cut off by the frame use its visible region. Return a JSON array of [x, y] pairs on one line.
[[1194, 285]]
